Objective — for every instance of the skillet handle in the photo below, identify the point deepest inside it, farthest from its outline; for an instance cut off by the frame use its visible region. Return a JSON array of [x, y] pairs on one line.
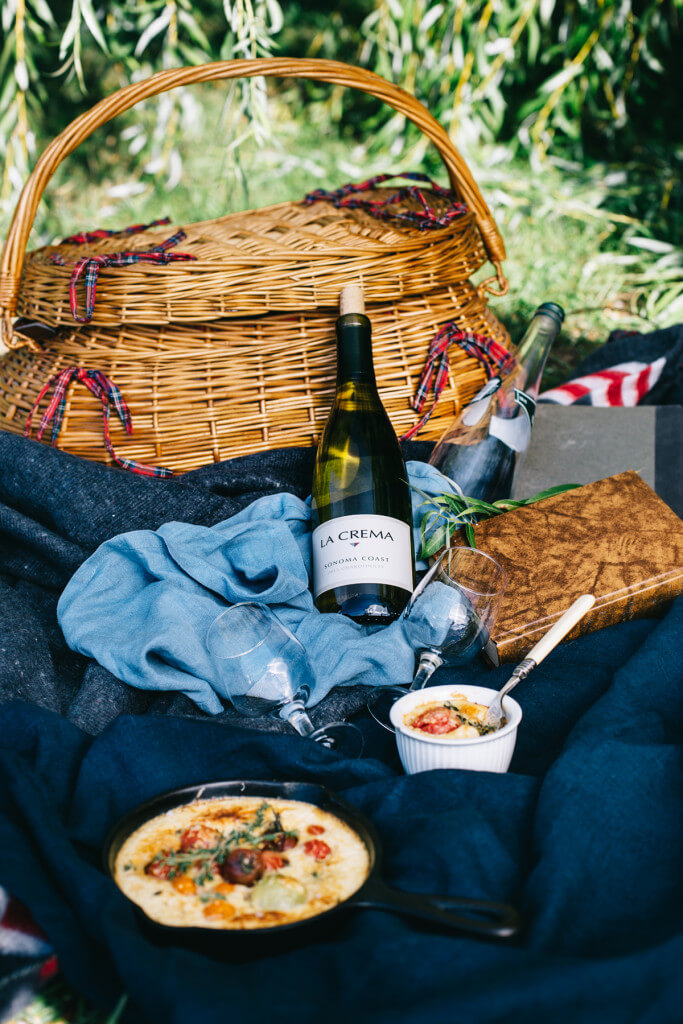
[[474, 917]]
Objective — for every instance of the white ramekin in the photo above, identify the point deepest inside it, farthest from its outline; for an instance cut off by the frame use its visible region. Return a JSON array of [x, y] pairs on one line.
[[421, 753]]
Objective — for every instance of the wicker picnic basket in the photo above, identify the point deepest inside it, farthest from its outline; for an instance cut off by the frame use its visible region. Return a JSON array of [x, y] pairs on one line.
[[225, 345]]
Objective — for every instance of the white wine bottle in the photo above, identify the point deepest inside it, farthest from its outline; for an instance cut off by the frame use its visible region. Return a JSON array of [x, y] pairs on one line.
[[485, 444], [363, 563]]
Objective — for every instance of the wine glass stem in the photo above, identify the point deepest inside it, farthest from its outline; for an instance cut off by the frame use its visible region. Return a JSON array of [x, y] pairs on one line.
[[299, 720], [429, 662]]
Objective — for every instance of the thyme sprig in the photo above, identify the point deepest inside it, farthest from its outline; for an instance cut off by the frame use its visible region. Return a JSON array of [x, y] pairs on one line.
[[181, 860], [464, 720], [450, 511]]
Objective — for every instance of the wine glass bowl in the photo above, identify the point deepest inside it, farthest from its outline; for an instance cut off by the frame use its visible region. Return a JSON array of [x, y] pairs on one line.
[[263, 669], [448, 618], [262, 665], [456, 611]]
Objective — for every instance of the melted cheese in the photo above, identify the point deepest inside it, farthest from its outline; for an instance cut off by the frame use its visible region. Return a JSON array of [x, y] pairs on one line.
[[299, 889], [469, 710]]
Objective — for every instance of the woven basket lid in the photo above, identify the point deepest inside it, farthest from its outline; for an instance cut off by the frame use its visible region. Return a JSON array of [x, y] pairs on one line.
[[288, 257]]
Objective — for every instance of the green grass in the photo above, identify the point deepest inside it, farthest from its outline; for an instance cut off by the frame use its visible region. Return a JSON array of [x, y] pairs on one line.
[[564, 242]]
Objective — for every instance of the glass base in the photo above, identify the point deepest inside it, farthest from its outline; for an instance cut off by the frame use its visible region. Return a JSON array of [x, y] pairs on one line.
[[381, 701], [343, 738]]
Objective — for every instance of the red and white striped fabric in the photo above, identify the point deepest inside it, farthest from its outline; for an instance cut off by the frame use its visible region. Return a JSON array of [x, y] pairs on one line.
[[623, 384]]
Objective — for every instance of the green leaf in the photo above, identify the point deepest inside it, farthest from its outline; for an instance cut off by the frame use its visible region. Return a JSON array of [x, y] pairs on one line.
[[652, 244], [192, 54], [115, 1016], [435, 542], [9, 83], [275, 16], [549, 492], [155, 28], [21, 75], [69, 32], [194, 31], [431, 17], [90, 18], [533, 41], [43, 11]]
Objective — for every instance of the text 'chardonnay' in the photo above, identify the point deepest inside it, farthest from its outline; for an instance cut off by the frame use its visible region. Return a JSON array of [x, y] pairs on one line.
[[362, 524]]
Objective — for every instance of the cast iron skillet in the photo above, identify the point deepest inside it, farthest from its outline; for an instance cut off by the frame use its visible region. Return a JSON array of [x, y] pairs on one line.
[[474, 917]]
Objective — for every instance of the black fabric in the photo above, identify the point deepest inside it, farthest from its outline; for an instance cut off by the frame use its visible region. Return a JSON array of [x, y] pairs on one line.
[[55, 509]]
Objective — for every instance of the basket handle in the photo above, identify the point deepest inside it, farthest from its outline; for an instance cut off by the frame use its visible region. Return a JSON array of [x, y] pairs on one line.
[[335, 72]]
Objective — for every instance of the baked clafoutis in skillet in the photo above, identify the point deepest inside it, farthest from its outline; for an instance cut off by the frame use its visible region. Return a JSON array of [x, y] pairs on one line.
[[241, 862], [249, 858]]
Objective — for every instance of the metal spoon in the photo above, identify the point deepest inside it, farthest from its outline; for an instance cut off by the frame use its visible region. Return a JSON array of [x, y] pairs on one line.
[[573, 614]]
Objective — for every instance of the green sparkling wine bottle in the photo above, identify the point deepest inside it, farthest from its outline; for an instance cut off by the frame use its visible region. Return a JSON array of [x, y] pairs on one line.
[[363, 564]]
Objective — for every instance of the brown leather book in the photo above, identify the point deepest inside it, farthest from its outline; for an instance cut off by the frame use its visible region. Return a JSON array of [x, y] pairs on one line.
[[614, 538]]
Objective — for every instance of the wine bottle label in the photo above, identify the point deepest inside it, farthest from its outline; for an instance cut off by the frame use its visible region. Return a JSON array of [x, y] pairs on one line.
[[476, 410], [362, 549], [527, 403], [516, 432]]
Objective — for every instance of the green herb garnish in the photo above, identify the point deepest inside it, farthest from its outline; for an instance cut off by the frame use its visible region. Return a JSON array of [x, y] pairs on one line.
[[204, 857], [449, 512], [464, 720], [210, 897]]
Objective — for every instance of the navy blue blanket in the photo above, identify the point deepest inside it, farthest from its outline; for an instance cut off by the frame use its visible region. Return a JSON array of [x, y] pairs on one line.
[[584, 834]]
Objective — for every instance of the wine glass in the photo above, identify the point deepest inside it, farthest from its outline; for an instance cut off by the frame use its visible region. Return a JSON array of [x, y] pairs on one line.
[[447, 620], [263, 670]]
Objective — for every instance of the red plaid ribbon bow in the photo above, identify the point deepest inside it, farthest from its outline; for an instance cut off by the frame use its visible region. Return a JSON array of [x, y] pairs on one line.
[[493, 356], [89, 267], [104, 389], [424, 221]]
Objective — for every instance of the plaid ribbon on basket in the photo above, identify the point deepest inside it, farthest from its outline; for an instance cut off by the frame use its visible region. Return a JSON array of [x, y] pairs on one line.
[[426, 220], [89, 267], [83, 237], [104, 389], [493, 356]]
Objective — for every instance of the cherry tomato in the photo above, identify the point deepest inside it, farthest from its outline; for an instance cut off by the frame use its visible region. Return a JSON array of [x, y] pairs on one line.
[[199, 837], [273, 861], [315, 830], [242, 866], [219, 908], [184, 885], [157, 868], [317, 848], [436, 721]]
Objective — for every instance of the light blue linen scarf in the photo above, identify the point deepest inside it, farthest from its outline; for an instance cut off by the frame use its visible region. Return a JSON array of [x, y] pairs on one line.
[[141, 605]]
